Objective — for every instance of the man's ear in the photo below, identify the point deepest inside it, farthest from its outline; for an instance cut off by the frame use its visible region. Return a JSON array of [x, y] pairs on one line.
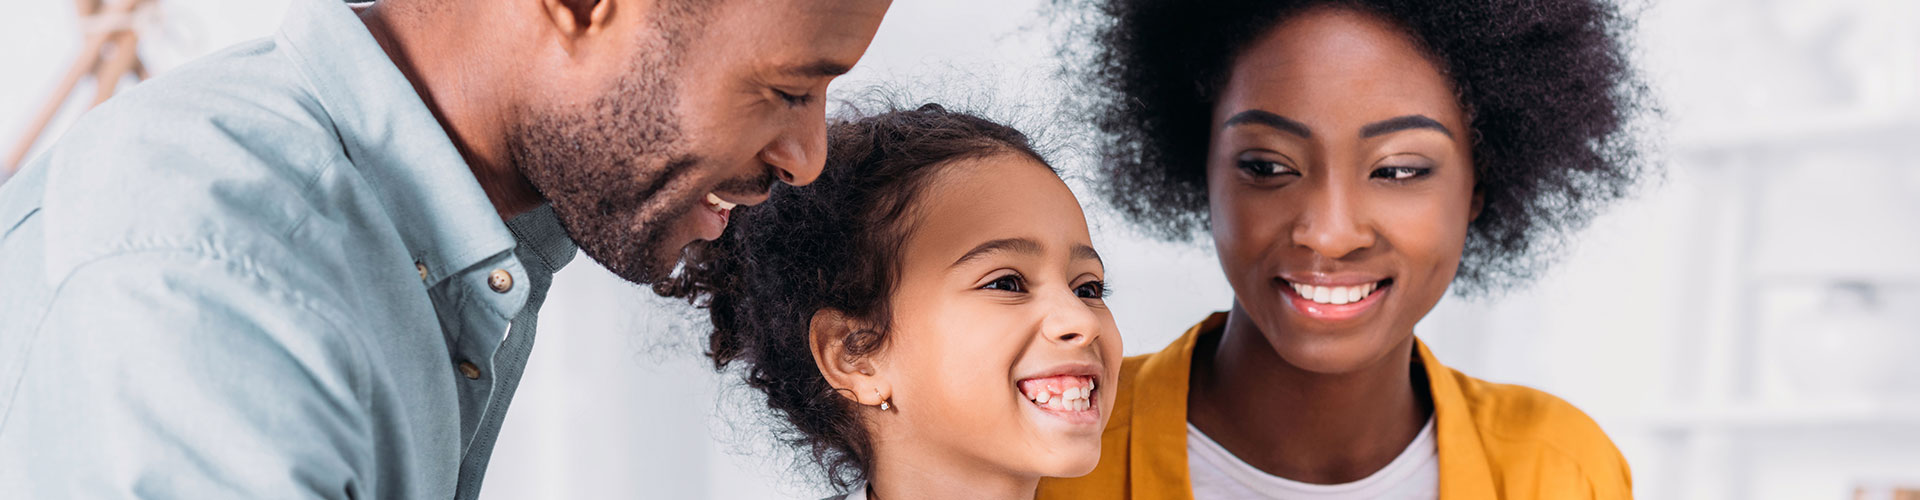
[[576, 18], [854, 377]]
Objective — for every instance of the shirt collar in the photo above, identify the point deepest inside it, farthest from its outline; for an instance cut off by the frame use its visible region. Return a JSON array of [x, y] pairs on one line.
[[547, 239], [1162, 427], [442, 215], [1464, 471], [1158, 428]]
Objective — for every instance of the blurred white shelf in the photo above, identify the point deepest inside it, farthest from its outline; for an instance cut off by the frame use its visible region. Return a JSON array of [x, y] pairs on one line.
[[1769, 417], [1820, 130]]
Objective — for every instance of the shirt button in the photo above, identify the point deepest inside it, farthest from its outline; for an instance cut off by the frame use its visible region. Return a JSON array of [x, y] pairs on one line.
[[500, 280], [422, 266], [469, 371]]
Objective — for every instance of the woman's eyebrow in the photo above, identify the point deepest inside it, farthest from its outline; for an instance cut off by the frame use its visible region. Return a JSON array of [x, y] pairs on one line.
[[1016, 245], [1264, 117], [1409, 122]]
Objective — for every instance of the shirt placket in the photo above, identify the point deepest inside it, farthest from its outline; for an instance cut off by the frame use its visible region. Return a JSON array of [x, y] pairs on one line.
[[493, 294]]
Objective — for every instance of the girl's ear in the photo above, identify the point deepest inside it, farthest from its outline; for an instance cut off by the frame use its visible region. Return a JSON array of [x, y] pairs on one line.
[[854, 377]]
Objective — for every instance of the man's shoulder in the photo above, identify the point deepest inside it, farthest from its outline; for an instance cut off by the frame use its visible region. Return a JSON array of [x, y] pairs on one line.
[[232, 149], [243, 108]]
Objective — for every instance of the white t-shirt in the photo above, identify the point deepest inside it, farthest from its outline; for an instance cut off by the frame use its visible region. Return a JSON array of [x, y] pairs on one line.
[[1218, 475]]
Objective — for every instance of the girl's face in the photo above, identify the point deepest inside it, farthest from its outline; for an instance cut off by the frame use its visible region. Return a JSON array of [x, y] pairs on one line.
[[1340, 185], [1003, 355]]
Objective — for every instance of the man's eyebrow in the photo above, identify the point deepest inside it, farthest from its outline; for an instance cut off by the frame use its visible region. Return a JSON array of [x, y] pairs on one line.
[[1264, 117], [1016, 245], [1409, 122], [818, 69]]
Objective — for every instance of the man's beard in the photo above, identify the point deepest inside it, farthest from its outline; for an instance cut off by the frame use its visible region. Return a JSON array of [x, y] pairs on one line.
[[615, 172]]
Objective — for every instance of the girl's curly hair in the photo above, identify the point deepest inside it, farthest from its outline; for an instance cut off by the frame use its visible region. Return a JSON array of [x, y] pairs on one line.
[[834, 244]]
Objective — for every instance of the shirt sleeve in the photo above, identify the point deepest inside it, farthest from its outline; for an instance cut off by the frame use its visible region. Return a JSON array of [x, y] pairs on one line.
[[179, 375]]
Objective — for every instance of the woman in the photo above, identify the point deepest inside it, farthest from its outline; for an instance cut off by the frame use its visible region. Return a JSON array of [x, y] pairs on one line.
[[1352, 161], [928, 316]]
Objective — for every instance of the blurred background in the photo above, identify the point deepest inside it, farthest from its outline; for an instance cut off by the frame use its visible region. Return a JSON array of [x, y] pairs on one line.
[[1743, 328]]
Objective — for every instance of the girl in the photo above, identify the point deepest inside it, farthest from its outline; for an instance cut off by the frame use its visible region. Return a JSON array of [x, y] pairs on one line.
[[1352, 161], [927, 317]]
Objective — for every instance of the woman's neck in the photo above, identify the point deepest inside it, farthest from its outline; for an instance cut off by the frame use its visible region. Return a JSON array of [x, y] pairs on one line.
[[1305, 426], [902, 470]]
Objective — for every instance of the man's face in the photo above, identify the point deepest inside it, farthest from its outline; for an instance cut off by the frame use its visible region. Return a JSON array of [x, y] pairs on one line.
[[703, 107]]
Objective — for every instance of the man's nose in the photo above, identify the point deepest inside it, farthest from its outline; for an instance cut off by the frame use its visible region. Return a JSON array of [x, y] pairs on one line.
[[798, 153]]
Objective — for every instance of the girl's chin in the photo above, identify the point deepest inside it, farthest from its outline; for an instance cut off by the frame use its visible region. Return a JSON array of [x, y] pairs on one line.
[[1068, 463]]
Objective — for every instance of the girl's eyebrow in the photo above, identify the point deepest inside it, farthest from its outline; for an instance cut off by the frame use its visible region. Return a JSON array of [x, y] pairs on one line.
[[1021, 246], [1015, 245], [1085, 252]]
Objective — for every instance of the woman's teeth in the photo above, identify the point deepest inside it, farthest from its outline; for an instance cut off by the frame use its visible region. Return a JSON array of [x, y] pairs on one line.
[[1066, 393], [718, 205], [1335, 295]]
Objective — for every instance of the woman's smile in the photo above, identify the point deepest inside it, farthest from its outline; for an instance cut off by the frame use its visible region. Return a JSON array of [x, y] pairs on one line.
[[1333, 298]]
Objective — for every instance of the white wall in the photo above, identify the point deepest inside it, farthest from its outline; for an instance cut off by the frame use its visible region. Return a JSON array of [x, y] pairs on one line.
[[1697, 323]]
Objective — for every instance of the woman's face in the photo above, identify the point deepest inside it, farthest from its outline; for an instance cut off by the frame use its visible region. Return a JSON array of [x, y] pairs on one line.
[[1340, 185], [999, 306]]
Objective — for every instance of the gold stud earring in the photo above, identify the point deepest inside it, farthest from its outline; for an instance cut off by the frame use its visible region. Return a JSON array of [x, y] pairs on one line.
[[883, 401]]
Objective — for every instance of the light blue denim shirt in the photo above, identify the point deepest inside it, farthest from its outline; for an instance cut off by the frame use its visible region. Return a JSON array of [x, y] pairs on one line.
[[266, 274]]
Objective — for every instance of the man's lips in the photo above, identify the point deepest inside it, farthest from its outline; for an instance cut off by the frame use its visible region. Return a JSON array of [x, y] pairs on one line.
[[717, 212]]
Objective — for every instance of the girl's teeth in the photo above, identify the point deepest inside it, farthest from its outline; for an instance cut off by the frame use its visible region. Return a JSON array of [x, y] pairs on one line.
[[1049, 395], [1335, 295]]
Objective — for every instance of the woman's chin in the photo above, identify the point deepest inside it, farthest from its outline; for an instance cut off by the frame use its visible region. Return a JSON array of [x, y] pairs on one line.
[[1334, 353]]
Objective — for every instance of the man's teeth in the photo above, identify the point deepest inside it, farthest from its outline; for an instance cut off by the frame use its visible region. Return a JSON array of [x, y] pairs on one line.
[[1070, 394], [1335, 295], [718, 204]]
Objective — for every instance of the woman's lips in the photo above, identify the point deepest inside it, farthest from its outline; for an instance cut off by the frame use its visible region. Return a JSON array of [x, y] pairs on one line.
[[1068, 397], [1334, 303]]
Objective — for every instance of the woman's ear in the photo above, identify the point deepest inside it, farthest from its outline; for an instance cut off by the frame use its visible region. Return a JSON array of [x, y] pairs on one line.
[[853, 376], [1479, 201]]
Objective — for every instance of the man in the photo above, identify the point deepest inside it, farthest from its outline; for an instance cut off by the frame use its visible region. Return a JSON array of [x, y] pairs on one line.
[[310, 266]]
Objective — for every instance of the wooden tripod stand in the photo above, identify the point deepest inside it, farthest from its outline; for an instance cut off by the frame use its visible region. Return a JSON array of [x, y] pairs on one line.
[[109, 54]]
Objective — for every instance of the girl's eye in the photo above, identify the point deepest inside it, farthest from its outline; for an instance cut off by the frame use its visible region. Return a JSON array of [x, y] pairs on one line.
[[1010, 283], [794, 100], [1091, 290], [1400, 173], [1264, 168]]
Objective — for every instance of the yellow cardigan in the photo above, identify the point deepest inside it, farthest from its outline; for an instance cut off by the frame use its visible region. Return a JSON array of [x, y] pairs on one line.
[[1496, 441]]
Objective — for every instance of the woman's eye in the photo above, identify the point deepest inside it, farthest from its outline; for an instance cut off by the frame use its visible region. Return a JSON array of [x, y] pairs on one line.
[[1010, 283], [793, 100], [1263, 168], [1091, 290], [1400, 173]]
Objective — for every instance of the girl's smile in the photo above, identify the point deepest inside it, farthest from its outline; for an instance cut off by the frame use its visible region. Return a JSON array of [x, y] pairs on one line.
[[1068, 396]]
